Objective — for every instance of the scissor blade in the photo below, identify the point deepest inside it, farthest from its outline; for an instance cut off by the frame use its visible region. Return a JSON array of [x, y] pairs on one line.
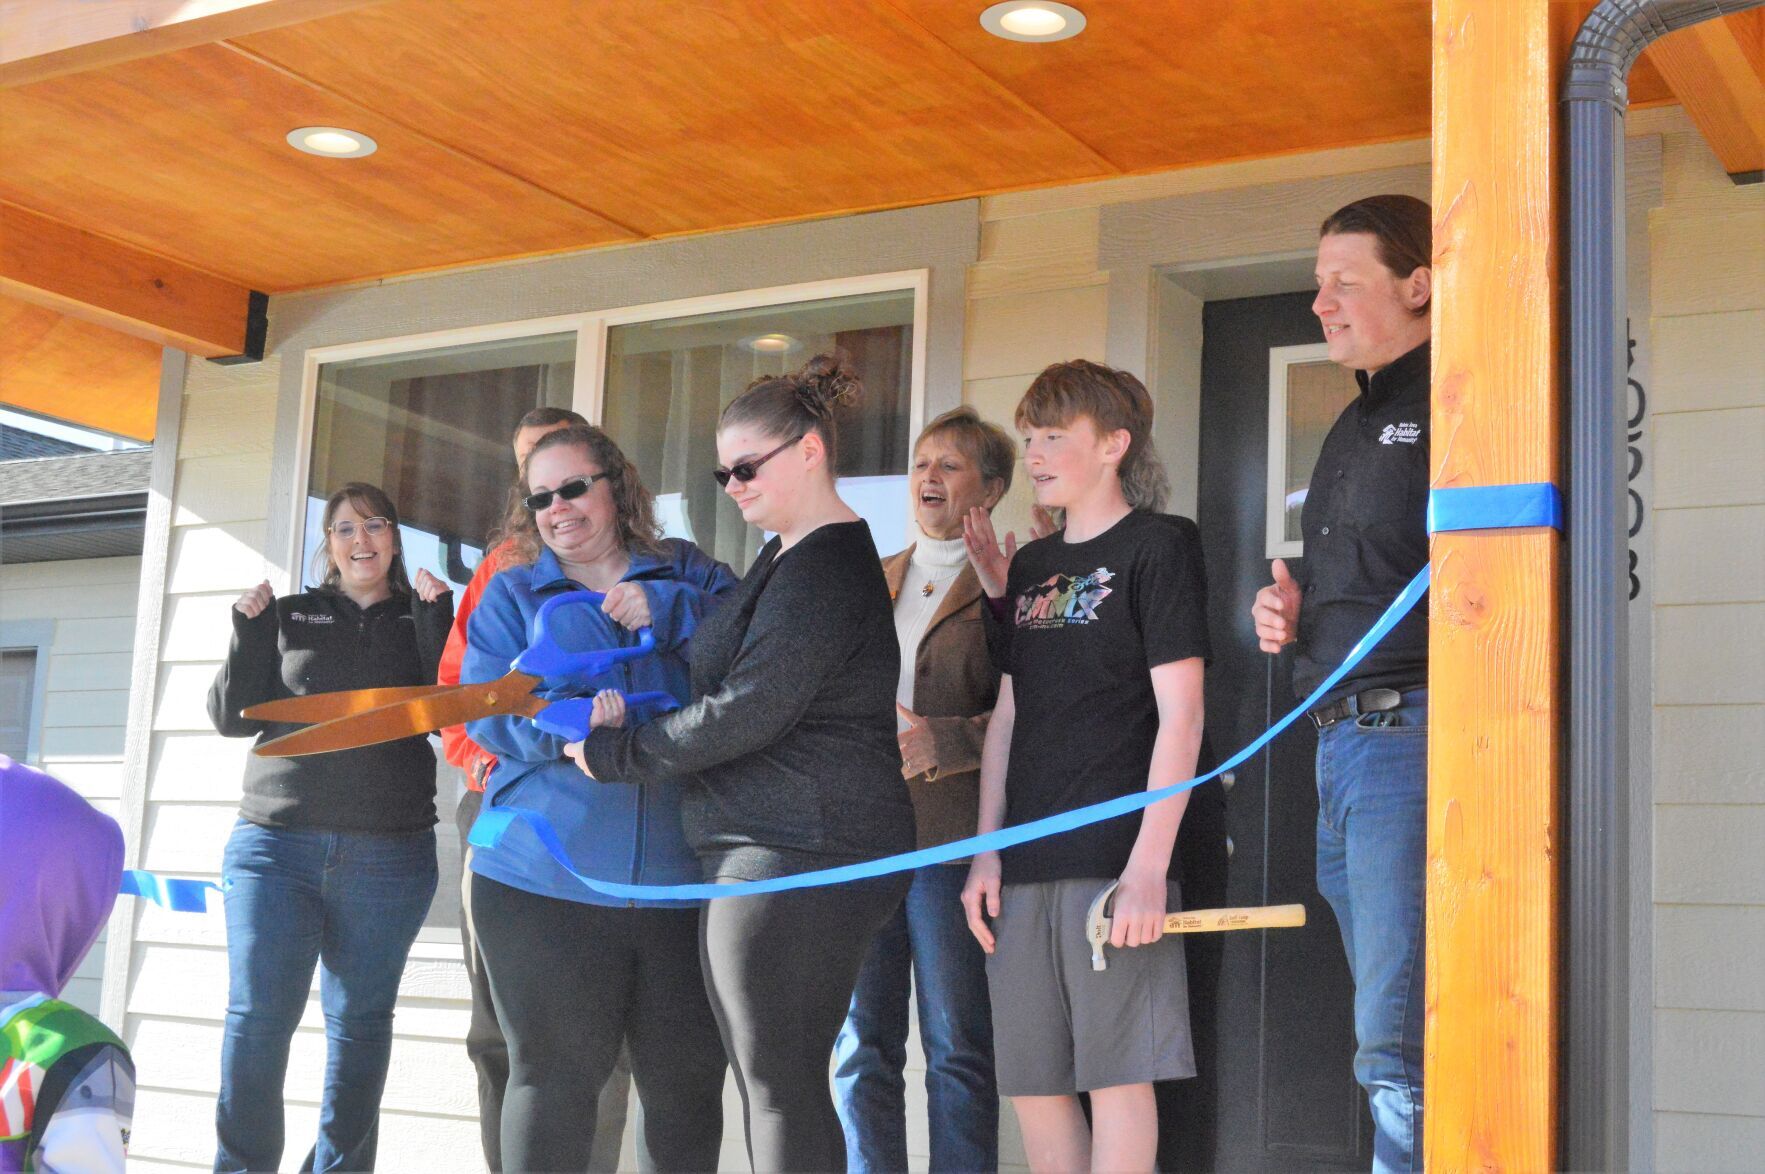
[[324, 707], [512, 694]]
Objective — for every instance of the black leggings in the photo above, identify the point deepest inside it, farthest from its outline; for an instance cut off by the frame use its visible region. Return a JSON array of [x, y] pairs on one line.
[[570, 982], [781, 968]]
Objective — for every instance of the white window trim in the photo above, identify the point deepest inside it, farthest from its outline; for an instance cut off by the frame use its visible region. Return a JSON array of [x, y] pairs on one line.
[[589, 393], [36, 636], [1281, 359]]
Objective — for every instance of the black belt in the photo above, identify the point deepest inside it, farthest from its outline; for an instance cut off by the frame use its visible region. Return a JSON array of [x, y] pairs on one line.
[[1355, 704]]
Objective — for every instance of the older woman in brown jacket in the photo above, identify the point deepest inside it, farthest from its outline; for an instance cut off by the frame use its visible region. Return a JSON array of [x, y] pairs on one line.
[[946, 693]]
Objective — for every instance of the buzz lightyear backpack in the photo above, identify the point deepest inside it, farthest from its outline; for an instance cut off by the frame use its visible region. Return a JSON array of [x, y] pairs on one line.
[[48, 1049]]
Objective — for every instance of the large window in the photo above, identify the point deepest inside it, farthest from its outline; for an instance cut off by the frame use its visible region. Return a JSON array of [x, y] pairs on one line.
[[432, 429], [429, 420], [667, 380]]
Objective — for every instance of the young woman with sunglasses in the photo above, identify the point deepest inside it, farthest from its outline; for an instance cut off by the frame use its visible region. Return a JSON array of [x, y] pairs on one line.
[[573, 974], [333, 856], [790, 750]]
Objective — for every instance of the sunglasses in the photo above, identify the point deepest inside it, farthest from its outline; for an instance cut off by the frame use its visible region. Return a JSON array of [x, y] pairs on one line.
[[746, 471], [373, 527], [568, 491]]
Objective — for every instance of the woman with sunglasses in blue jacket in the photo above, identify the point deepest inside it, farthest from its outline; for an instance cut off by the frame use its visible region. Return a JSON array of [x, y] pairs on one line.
[[573, 973]]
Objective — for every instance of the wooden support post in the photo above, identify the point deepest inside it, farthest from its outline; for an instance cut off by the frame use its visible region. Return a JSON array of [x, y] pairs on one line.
[[1494, 750]]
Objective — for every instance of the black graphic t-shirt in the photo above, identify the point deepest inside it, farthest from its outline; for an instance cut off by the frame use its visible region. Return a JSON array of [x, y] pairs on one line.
[[1085, 623]]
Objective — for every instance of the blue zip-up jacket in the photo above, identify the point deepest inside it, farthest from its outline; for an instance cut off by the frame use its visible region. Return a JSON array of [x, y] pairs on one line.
[[613, 831]]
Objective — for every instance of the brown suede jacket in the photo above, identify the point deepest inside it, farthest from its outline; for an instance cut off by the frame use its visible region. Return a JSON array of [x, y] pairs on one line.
[[955, 686]]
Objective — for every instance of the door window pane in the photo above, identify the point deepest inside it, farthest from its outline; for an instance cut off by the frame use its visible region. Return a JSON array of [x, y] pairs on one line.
[[668, 380], [432, 429], [1307, 392]]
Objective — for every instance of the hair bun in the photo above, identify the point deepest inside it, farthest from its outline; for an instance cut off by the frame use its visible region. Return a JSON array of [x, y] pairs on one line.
[[825, 382]]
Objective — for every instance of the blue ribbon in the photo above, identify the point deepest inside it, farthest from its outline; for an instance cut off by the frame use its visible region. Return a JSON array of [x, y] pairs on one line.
[[1495, 507], [177, 893], [1483, 507], [493, 822]]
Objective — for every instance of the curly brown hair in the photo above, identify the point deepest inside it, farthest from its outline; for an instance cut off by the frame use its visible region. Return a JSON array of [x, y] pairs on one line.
[[632, 503]]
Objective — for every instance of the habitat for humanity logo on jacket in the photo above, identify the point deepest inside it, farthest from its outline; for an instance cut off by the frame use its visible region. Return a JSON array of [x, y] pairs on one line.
[[611, 830]]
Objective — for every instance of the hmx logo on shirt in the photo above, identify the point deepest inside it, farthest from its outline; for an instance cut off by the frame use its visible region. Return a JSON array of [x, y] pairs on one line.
[[1063, 599], [1401, 434]]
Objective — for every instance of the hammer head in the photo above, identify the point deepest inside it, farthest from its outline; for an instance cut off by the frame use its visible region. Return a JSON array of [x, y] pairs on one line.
[[1097, 925]]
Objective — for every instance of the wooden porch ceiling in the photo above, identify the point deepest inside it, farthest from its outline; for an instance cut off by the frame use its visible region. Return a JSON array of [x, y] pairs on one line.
[[547, 125], [514, 129]]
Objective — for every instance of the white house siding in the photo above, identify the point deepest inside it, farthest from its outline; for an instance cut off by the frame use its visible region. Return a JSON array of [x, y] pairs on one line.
[[177, 992], [89, 605], [1040, 290], [1708, 579]]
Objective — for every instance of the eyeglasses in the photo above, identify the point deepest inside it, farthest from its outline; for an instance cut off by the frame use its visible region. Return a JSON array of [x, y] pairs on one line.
[[570, 490], [372, 527], [746, 471]]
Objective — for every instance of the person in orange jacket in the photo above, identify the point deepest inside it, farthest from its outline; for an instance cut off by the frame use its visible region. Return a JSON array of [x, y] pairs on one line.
[[485, 1044]]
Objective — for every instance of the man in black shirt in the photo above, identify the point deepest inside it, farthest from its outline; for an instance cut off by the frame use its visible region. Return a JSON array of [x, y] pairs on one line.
[[1365, 529]]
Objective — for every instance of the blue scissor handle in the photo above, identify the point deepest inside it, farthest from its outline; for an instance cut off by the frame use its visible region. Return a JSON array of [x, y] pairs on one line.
[[569, 718], [544, 657]]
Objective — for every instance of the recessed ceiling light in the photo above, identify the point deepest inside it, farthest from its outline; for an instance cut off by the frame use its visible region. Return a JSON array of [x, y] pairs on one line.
[[771, 344], [333, 142], [1033, 20]]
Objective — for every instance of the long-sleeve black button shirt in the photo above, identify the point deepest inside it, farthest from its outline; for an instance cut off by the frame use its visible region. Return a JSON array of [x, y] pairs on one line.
[[1365, 529]]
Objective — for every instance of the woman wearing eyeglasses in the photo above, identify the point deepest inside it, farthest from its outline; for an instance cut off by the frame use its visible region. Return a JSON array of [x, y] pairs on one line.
[[574, 974], [790, 749], [333, 857]]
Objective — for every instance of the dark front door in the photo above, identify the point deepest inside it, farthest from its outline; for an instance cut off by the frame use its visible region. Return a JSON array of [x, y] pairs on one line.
[[1288, 1099]]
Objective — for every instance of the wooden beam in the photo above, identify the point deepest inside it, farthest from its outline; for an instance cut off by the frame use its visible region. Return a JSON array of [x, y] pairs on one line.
[[42, 39], [128, 289], [1717, 71], [1494, 743]]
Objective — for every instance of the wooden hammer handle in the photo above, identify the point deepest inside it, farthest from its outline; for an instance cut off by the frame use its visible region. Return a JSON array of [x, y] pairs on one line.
[[1250, 917]]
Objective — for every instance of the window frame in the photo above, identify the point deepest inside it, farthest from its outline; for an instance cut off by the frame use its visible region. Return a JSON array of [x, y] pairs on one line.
[[1281, 360], [38, 637], [588, 394]]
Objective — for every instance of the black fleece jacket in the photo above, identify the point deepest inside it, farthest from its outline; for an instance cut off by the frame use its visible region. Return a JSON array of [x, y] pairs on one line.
[[790, 739], [320, 642]]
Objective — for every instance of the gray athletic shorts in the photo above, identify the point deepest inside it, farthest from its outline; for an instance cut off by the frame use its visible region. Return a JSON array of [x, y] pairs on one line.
[[1060, 1027]]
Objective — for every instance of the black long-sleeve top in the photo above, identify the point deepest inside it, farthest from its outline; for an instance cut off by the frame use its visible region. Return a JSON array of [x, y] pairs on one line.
[[1365, 525], [320, 641], [790, 739]]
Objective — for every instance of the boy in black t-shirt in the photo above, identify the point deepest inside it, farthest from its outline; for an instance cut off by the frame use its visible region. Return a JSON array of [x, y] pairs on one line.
[[1100, 632]]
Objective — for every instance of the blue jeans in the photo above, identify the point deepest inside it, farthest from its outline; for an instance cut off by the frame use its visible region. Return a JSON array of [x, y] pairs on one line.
[[928, 933], [296, 897], [1372, 852]]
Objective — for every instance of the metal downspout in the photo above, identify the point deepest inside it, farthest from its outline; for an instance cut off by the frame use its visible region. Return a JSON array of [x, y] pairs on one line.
[[1596, 976]]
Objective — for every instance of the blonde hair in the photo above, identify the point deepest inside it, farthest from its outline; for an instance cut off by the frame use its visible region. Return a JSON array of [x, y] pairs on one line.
[[989, 446]]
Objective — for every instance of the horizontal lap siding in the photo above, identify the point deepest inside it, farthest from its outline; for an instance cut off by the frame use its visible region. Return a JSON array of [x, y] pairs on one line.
[[178, 988], [90, 607], [1708, 419]]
